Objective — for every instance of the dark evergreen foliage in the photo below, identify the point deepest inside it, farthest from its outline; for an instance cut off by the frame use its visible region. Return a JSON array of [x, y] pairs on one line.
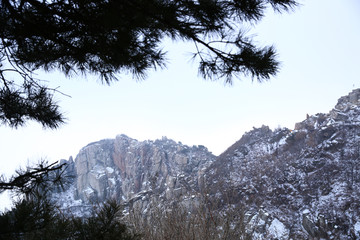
[[104, 224], [28, 102], [39, 219], [109, 37], [36, 217], [42, 178]]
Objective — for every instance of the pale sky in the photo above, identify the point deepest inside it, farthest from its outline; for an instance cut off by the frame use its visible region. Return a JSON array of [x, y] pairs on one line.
[[318, 45]]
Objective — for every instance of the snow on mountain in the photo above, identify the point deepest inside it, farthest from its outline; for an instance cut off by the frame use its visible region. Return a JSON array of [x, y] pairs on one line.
[[291, 184], [136, 172], [307, 178]]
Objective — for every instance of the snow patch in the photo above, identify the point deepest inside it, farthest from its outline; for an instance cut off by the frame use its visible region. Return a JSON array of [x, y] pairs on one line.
[[112, 181], [357, 229], [278, 230], [306, 211], [88, 191], [98, 171], [282, 141]]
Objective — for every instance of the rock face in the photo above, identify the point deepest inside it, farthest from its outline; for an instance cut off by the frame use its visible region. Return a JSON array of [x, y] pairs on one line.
[[122, 168], [94, 170], [293, 184]]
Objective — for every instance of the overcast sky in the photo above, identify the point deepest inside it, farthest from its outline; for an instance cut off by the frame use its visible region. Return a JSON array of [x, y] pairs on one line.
[[318, 45]]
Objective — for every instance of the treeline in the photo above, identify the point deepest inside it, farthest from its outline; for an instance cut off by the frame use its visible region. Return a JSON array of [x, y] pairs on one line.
[[40, 219]]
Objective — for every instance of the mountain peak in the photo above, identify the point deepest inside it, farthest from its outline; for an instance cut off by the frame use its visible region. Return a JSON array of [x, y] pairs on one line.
[[346, 111], [353, 98]]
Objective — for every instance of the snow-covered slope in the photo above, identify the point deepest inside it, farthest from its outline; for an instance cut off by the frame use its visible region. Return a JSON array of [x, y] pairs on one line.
[[307, 179]]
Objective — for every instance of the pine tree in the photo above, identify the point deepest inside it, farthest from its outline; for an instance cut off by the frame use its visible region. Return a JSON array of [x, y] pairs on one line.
[[107, 37], [41, 178], [38, 218]]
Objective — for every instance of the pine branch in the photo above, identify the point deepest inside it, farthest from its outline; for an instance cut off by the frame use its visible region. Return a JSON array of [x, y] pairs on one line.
[[32, 178]]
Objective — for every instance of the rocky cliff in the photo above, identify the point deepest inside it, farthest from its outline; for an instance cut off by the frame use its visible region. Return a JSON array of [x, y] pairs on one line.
[[129, 170], [291, 184]]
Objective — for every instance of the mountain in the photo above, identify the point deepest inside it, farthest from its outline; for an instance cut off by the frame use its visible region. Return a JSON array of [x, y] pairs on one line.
[[135, 172], [307, 178], [287, 184]]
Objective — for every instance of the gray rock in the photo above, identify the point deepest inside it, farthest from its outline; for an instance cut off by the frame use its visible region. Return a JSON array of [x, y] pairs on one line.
[[123, 167]]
